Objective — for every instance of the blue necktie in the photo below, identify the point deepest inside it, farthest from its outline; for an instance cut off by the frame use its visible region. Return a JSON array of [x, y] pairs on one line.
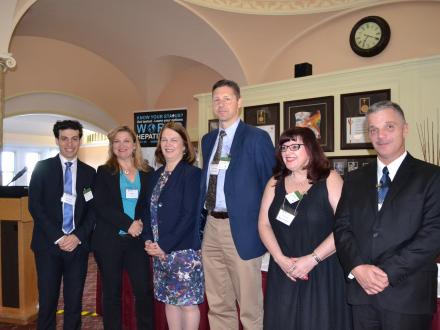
[[67, 208], [384, 186]]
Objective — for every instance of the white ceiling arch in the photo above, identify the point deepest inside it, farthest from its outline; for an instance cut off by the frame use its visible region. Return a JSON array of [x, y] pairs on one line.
[[59, 104]]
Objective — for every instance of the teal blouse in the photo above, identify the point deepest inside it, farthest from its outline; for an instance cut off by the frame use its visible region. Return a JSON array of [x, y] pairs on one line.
[[129, 194]]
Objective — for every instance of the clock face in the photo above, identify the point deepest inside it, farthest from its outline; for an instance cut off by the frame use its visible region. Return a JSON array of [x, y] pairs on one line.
[[370, 36]]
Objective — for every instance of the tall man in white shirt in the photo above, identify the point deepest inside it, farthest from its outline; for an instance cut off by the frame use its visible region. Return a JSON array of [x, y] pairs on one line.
[[237, 162], [60, 199]]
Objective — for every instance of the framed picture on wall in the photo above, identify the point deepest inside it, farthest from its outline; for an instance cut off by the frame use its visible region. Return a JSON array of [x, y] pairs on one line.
[[354, 107], [266, 117], [212, 125], [316, 114], [345, 164]]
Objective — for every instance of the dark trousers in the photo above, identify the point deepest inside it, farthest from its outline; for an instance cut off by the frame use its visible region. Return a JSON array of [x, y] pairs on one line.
[[127, 254], [52, 266], [369, 317]]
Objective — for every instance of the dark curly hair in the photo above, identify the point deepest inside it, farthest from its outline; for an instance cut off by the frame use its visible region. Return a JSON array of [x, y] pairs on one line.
[[318, 166]]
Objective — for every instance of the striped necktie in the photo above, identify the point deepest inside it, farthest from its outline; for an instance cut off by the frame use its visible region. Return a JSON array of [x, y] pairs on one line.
[[384, 186], [212, 184], [68, 208]]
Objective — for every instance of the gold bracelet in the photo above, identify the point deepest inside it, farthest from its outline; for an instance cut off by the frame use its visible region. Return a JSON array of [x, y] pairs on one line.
[[315, 256]]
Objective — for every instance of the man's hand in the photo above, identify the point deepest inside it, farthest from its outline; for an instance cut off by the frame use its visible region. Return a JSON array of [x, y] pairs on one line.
[[69, 243], [371, 278]]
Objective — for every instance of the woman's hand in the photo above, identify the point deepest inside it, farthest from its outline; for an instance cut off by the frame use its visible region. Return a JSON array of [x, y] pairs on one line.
[[135, 228], [303, 266], [154, 250], [287, 265]]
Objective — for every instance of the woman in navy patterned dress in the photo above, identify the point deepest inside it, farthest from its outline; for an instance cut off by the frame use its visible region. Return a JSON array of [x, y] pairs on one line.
[[171, 233]]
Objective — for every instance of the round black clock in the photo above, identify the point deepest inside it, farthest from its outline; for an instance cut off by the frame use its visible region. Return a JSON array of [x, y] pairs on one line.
[[370, 36]]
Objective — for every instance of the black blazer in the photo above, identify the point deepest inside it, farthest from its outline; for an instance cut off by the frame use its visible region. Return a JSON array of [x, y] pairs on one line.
[[45, 191], [403, 238], [110, 216], [177, 209]]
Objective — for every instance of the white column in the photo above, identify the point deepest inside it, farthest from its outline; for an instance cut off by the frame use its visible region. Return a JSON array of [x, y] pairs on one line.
[[7, 62]]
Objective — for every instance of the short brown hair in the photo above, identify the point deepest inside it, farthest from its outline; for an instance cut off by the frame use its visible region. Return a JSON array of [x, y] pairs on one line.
[[228, 83], [189, 156]]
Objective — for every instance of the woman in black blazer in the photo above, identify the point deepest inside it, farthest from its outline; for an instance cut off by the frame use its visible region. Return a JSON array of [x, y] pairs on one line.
[[120, 195], [171, 230]]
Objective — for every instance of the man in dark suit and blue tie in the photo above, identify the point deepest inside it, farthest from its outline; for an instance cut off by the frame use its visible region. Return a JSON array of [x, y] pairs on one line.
[[387, 230], [60, 200], [237, 162]]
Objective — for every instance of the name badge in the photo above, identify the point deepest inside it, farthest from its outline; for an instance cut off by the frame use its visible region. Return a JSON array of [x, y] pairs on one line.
[[68, 199], [131, 193], [285, 217], [293, 197], [223, 164], [214, 169], [88, 195]]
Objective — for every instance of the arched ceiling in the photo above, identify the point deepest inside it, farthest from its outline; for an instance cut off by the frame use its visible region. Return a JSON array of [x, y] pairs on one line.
[[279, 7], [151, 41], [134, 35]]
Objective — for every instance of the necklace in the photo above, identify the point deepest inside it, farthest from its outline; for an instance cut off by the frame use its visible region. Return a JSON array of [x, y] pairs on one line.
[[126, 172]]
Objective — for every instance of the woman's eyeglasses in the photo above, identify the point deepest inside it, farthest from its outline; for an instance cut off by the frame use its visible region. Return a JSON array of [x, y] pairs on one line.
[[292, 147]]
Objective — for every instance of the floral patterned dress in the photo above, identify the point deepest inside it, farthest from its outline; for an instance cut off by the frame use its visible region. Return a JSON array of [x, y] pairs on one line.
[[178, 279]]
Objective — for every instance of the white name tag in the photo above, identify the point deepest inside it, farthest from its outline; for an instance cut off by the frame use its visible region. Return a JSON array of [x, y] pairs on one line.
[[68, 199], [88, 195], [131, 193], [292, 197], [285, 217], [223, 164], [213, 169]]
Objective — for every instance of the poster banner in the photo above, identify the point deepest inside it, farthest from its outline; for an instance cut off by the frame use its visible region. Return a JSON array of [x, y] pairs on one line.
[[147, 125]]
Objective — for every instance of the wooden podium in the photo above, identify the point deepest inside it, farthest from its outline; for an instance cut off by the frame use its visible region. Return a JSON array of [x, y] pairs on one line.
[[18, 284]]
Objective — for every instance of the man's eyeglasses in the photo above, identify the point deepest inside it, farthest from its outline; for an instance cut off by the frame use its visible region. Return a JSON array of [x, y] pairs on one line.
[[292, 147]]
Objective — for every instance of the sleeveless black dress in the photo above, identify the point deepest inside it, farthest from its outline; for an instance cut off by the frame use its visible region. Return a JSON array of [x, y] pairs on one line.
[[318, 303]]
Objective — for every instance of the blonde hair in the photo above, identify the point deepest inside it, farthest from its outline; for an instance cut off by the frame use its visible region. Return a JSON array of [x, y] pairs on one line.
[[112, 162], [189, 156]]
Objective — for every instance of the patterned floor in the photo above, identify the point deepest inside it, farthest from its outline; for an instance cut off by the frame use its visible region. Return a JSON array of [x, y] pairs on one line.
[[89, 320]]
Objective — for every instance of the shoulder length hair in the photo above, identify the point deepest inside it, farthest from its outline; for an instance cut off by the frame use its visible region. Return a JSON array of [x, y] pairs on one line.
[[112, 161], [189, 154], [318, 166]]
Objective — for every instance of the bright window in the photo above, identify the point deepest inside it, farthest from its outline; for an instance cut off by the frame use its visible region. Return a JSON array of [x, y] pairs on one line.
[[8, 166], [31, 160]]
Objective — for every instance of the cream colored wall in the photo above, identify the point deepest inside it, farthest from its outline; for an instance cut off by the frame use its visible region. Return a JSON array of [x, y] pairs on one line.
[[51, 65], [414, 34], [414, 84], [179, 93], [93, 155]]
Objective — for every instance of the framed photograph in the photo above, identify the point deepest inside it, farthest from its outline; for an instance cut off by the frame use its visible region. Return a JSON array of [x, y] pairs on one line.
[[345, 164], [266, 117], [316, 114], [212, 125], [354, 107]]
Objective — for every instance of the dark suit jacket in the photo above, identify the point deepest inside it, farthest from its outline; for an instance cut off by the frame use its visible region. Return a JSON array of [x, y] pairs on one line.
[[403, 238], [177, 209], [110, 216], [45, 191], [252, 161]]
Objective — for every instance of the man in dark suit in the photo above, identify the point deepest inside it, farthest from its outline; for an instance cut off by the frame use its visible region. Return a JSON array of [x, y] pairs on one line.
[[60, 200], [387, 230], [237, 162]]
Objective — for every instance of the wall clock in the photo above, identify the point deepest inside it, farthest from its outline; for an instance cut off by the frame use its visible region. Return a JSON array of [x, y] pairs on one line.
[[370, 36]]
